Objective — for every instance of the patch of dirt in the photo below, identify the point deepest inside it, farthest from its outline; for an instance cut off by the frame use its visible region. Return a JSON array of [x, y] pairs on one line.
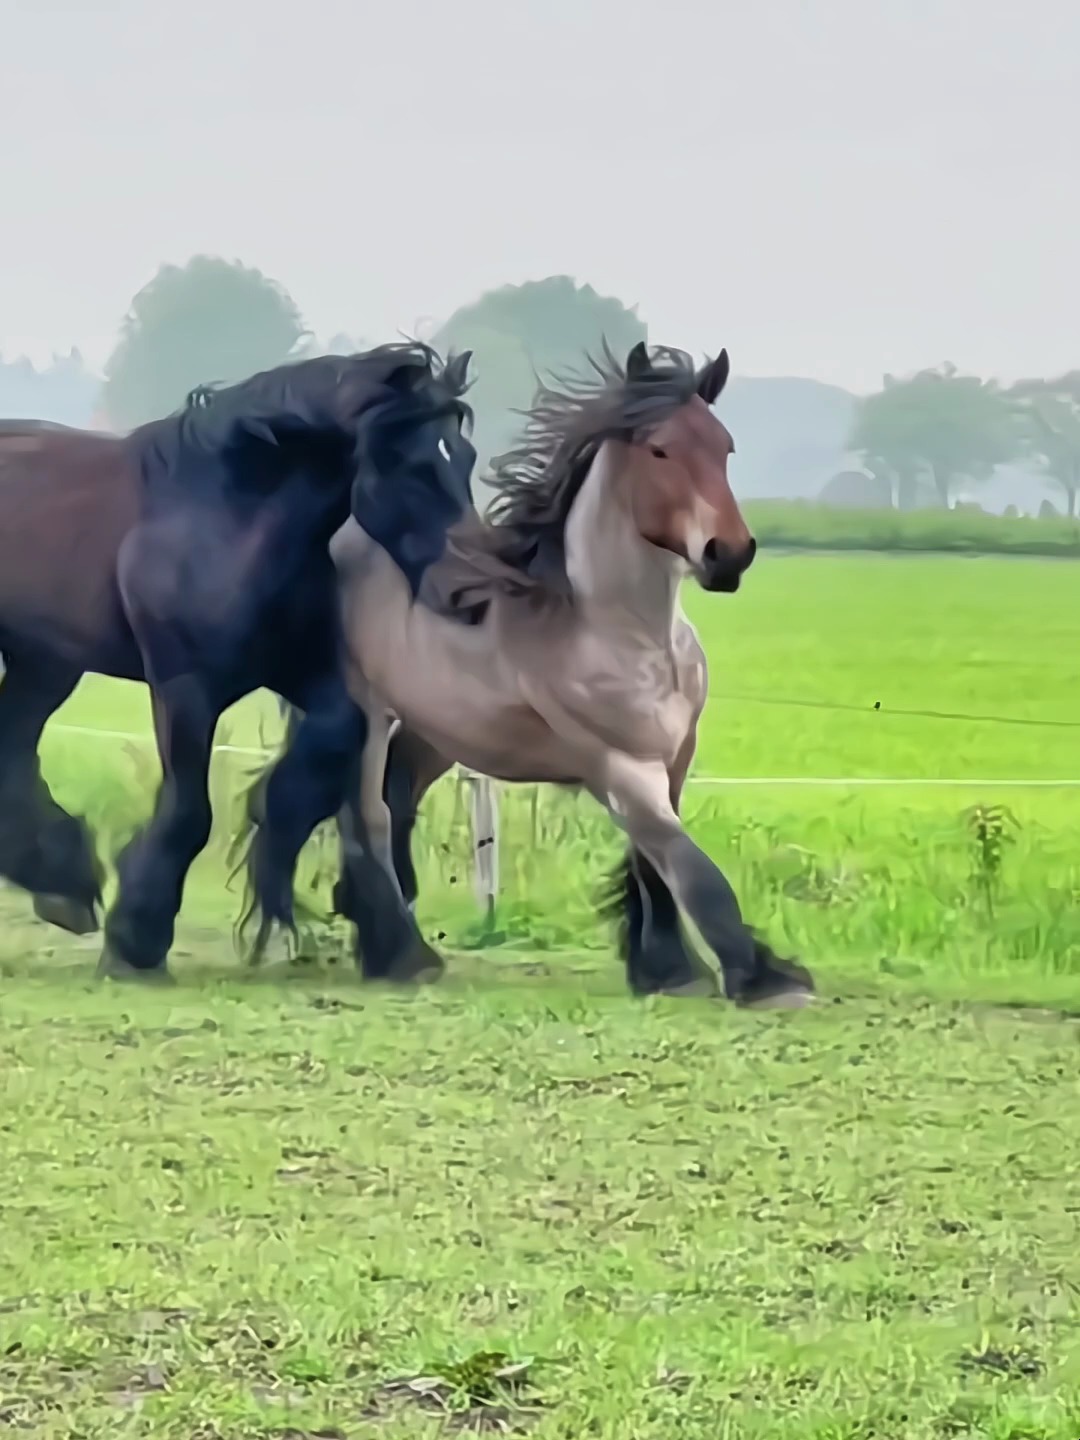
[[1038, 1014], [1015, 1362], [487, 1394]]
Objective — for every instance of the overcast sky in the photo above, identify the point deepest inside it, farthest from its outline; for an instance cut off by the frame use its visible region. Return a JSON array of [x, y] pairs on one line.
[[831, 188]]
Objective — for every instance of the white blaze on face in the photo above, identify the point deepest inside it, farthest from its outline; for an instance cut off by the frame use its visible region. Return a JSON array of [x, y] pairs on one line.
[[698, 531], [696, 540]]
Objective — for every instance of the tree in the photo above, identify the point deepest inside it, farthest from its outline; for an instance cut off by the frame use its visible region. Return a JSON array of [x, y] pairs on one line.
[[209, 321], [938, 423], [63, 391], [542, 328], [1048, 412]]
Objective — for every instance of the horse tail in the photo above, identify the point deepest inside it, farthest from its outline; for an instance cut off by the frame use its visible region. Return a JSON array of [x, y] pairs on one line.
[[240, 856]]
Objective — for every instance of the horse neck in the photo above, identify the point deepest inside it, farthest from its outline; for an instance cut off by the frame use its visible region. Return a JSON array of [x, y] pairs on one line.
[[613, 571]]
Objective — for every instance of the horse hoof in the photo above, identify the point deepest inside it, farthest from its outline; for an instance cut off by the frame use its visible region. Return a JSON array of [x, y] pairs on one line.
[[419, 965], [113, 967], [797, 999], [69, 915]]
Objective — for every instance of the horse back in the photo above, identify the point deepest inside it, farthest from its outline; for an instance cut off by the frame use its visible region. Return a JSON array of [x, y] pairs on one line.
[[67, 499]]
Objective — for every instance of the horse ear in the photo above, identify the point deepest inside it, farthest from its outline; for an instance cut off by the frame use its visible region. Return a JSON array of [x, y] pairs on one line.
[[713, 377], [456, 373], [638, 364]]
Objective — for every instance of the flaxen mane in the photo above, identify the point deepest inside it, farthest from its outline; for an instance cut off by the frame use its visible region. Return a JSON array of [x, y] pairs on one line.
[[520, 548]]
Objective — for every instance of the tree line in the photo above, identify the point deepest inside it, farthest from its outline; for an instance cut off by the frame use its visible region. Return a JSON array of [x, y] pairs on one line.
[[213, 320], [954, 430]]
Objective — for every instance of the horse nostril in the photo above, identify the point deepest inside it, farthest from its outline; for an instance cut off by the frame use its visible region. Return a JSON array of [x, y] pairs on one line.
[[711, 552], [751, 551]]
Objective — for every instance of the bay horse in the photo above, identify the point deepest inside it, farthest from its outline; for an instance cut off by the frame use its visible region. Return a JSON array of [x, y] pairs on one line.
[[555, 649], [191, 554]]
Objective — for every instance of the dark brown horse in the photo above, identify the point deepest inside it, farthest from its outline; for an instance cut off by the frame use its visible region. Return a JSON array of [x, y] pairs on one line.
[[192, 555]]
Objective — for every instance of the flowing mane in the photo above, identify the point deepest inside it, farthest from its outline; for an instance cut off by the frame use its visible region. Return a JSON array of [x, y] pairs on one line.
[[320, 408], [521, 548]]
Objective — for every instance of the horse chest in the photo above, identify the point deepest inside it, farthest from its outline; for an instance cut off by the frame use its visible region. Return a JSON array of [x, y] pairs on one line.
[[644, 699]]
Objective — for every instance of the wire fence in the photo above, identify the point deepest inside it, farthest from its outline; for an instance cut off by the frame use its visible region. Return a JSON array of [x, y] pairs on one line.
[[484, 803], [960, 782]]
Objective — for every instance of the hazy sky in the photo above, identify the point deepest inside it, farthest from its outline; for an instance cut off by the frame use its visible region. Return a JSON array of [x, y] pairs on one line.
[[830, 188]]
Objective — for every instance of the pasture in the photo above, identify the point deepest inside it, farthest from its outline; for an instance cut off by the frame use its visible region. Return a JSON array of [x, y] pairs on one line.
[[273, 1203]]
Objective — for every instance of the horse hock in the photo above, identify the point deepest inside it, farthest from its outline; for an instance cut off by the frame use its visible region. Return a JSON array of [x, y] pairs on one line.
[[51, 853], [389, 945]]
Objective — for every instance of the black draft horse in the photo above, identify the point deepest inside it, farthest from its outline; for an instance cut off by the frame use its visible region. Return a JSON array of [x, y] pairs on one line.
[[192, 555]]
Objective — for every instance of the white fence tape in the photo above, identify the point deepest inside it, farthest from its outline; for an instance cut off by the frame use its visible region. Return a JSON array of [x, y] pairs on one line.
[[977, 782]]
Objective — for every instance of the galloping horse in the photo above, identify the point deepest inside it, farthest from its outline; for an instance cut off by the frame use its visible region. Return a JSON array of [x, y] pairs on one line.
[[569, 659], [192, 555]]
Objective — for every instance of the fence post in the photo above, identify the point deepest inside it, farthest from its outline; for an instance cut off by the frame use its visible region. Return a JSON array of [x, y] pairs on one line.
[[484, 809]]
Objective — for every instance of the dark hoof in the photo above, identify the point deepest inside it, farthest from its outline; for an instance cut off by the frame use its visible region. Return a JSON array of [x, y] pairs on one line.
[[69, 915], [419, 965], [112, 967], [776, 984]]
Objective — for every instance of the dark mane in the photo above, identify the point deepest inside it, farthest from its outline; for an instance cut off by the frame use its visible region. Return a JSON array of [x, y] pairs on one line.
[[521, 547], [326, 401]]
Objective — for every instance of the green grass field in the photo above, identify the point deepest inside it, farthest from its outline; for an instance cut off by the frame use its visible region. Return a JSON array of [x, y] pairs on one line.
[[275, 1203]]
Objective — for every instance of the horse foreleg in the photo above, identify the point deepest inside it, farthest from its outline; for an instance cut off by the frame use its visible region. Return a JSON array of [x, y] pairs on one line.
[[43, 849], [659, 958], [638, 796], [153, 866]]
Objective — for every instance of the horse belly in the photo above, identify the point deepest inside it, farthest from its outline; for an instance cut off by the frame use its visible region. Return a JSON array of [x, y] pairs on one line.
[[58, 590], [454, 695]]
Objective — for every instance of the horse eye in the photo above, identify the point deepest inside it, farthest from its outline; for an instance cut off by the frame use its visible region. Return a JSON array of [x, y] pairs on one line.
[[660, 454]]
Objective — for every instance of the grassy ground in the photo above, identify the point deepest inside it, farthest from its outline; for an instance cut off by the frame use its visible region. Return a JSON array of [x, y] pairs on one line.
[[299, 1209], [276, 1204]]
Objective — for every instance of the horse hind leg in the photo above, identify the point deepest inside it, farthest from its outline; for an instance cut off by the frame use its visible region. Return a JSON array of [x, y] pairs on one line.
[[43, 849], [306, 785], [370, 892], [412, 767], [658, 958]]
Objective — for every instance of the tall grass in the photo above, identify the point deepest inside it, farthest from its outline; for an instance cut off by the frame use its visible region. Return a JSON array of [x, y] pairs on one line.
[[856, 879]]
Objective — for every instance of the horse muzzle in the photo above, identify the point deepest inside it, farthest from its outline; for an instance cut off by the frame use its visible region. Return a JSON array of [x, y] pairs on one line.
[[721, 568]]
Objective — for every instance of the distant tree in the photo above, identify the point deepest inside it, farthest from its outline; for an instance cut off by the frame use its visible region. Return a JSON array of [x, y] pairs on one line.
[[208, 321], [948, 426], [543, 327], [855, 489], [64, 391], [1048, 412]]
